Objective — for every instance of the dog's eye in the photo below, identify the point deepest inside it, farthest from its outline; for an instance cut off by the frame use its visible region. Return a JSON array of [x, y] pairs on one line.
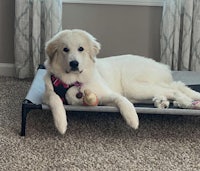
[[80, 49], [66, 49]]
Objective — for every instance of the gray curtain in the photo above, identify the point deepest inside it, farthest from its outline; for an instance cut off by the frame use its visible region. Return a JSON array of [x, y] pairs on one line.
[[36, 21], [180, 34]]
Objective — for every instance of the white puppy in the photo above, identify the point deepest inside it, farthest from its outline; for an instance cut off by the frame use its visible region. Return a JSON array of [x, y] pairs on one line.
[[119, 80]]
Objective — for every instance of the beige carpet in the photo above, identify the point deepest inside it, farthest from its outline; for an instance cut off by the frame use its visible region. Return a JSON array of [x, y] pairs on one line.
[[94, 141]]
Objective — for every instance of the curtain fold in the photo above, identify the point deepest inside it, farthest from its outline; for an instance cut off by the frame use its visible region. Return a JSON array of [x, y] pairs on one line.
[[180, 34], [36, 21]]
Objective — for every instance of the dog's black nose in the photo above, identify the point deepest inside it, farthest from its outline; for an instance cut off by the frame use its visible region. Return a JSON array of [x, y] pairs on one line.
[[74, 64]]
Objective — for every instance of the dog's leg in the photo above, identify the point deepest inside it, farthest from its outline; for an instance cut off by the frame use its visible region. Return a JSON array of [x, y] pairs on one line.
[[56, 105], [58, 111], [185, 97], [179, 99], [148, 91], [160, 94], [126, 108], [186, 90]]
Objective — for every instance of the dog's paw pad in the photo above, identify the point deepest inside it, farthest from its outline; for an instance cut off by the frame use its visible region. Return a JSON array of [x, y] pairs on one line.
[[161, 102], [196, 104]]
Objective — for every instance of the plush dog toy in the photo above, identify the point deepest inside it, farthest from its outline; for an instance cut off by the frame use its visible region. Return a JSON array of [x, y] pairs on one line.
[[90, 98]]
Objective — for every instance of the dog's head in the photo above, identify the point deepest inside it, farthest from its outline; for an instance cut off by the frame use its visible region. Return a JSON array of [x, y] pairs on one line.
[[72, 50]]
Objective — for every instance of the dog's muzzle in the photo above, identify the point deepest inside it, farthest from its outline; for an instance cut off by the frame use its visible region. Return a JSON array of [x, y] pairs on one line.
[[74, 65]]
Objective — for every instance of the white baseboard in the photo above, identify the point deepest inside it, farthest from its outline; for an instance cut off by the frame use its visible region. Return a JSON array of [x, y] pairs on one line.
[[7, 69]]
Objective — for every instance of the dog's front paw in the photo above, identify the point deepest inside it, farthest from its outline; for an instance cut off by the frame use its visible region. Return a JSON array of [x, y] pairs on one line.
[[131, 117], [61, 124], [133, 122], [60, 117], [161, 102]]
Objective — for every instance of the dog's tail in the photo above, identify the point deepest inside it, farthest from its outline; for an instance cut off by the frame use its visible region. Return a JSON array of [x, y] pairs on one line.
[[178, 85]]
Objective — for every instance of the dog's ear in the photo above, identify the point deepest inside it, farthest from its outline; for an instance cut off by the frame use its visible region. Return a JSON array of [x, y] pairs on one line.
[[96, 47], [51, 48]]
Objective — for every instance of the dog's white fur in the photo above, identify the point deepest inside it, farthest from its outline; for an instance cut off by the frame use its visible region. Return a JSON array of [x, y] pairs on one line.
[[119, 80]]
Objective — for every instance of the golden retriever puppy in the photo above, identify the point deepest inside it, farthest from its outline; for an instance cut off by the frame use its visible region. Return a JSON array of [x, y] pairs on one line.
[[119, 80]]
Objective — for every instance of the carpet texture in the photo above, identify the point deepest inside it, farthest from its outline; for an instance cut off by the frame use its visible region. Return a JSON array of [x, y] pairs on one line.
[[93, 141]]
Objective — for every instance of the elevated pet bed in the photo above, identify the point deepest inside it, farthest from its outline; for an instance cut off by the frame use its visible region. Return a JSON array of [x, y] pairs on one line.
[[33, 99]]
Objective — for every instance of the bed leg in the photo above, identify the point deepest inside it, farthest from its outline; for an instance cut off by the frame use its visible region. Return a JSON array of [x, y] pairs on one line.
[[26, 107], [25, 111], [24, 115]]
